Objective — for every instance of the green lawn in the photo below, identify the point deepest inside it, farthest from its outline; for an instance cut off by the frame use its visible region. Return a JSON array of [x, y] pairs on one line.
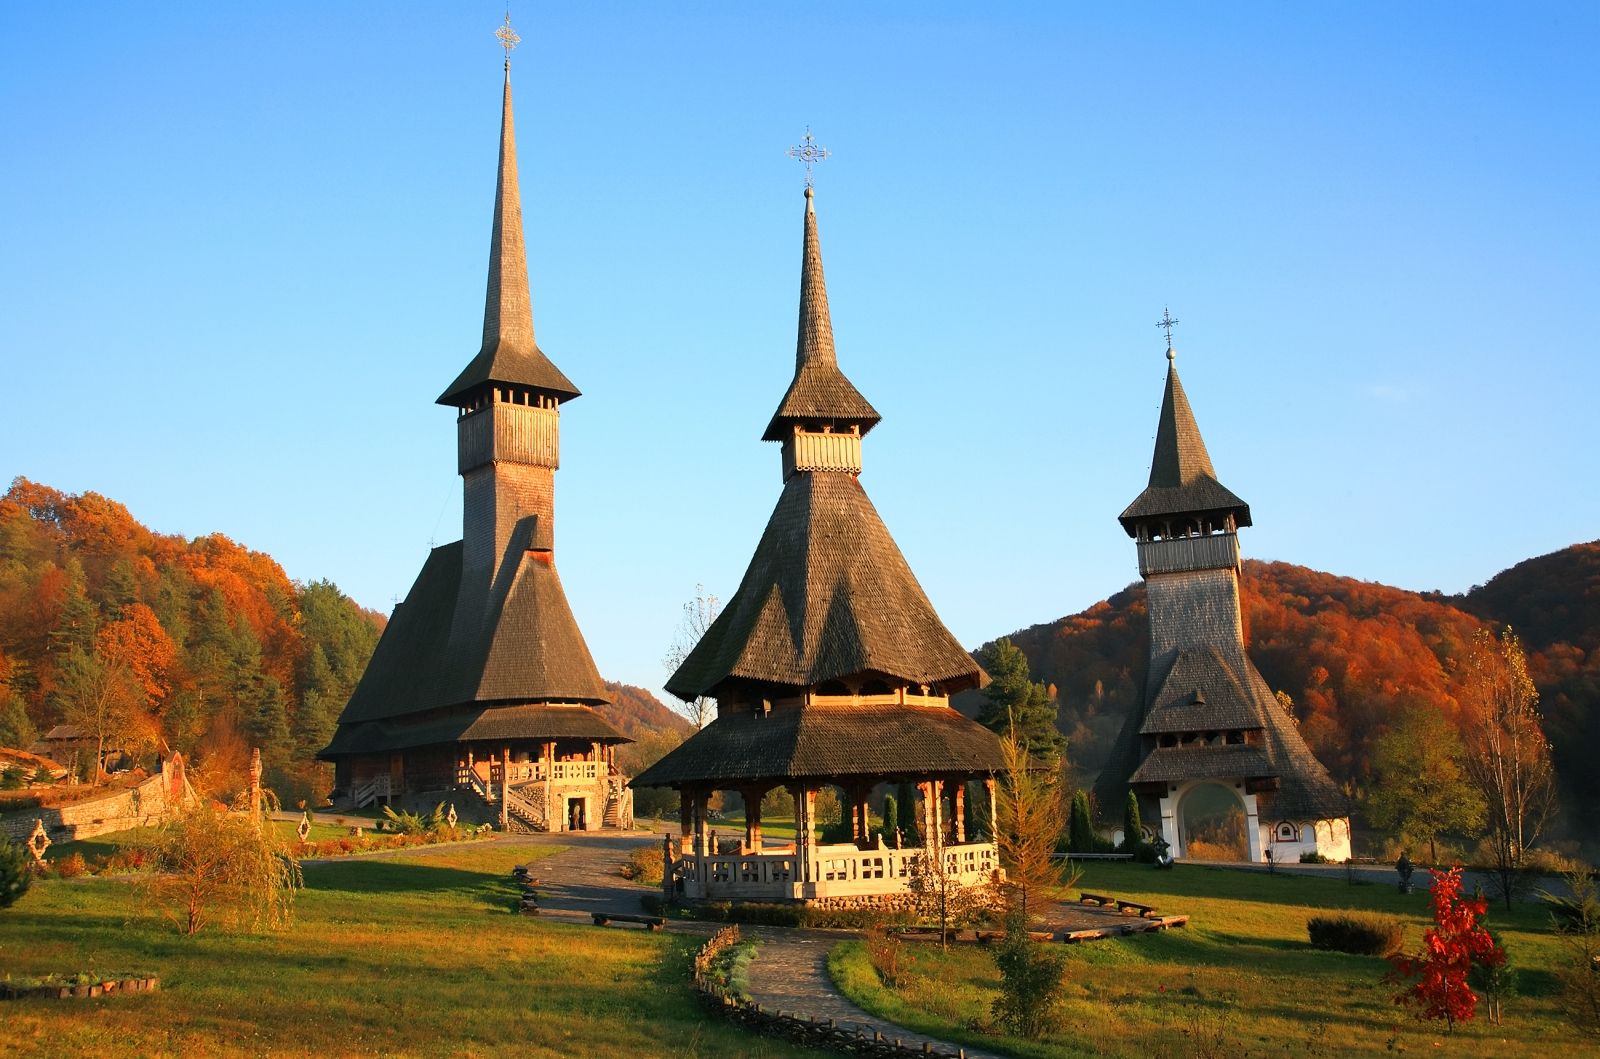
[[1241, 978], [416, 954], [104, 845]]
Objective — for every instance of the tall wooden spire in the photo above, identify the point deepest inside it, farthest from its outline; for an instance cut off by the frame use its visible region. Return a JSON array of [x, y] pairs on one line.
[[820, 393], [509, 354], [507, 308]]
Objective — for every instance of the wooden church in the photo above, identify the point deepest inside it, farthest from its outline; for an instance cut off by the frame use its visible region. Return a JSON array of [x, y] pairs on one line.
[[830, 668], [1208, 722], [482, 683]]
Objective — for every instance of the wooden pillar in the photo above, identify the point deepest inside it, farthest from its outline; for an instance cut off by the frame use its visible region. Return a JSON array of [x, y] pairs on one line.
[[805, 804], [959, 811], [702, 822], [552, 817], [685, 821], [505, 791], [988, 788], [752, 818], [930, 811]]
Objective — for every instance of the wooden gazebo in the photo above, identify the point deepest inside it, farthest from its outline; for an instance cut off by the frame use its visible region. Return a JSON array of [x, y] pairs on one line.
[[829, 667]]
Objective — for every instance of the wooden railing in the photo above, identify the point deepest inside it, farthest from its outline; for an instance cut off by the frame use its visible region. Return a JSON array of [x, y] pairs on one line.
[[561, 771], [836, 870]]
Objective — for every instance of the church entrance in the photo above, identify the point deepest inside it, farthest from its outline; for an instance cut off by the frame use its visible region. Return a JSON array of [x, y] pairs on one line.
[[575, 814], [1211, 822]]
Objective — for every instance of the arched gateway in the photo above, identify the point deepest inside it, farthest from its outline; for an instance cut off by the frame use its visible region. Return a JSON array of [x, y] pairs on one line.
[[829, 667]]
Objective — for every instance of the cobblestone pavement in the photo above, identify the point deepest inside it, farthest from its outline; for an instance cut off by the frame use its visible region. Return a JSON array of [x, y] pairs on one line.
[[790, 974]]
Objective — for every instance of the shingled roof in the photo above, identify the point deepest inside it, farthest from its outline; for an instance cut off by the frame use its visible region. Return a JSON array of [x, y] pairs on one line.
[[527, 648], [1234, 696], [828, 741], [828, 594], [490, 724], [820, 392], [1182, 481], [509, 353], [1202, 693]]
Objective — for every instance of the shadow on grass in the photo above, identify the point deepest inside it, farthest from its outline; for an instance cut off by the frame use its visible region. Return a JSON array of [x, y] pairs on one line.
[[389, 876]]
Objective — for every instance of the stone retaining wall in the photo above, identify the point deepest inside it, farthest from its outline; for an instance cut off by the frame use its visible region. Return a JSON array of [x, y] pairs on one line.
[[149, 803]]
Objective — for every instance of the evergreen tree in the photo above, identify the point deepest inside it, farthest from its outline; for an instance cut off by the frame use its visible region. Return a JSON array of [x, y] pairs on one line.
[[16, 727], [1132, 826], [1080, 828], [1019, 705], [910, 829], [891, 817], [269, 723], [80, 618]]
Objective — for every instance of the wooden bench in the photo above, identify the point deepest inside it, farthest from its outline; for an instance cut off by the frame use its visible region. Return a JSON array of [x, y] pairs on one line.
[[1127, 908], [651, 923]]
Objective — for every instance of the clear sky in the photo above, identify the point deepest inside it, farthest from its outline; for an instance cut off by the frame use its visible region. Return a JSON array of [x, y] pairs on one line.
[[243, 247]]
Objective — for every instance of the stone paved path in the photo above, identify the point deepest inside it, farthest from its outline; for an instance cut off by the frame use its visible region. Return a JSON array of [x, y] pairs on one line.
[[790, 974], [790, 969]]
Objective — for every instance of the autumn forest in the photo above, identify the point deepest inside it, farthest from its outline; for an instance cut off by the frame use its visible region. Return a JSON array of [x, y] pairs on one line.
[[207, 647]]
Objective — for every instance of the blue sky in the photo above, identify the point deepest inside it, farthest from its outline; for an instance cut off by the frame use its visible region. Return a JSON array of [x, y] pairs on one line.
[[244, 248]]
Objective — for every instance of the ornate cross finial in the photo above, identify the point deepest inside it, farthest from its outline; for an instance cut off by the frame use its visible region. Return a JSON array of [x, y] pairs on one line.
[[808, 153], [508, 36], [1167, 323]]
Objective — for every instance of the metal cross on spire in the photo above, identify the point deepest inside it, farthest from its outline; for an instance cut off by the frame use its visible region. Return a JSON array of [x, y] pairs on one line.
[[808, 153], [1167, 323], [508, 36]]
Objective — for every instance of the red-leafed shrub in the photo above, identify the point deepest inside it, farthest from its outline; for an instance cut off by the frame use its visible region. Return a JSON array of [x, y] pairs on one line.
[[1456, 943]]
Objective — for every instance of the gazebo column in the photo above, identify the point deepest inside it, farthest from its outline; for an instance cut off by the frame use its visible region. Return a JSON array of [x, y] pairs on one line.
[[860, 813], [959, 810], [685, 821], [805, 807], [702, 822], [752, 818], [932, 812]]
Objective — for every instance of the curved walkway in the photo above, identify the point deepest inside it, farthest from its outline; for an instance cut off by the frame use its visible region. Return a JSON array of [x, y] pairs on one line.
[[789, 972]]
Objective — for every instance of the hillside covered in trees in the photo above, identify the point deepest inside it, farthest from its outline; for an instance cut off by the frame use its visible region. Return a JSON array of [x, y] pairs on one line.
[[202, 645], [1351, 656]]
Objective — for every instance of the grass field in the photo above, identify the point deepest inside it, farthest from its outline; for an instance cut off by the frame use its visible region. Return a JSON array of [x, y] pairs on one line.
[[414, 954], [1240, 979]]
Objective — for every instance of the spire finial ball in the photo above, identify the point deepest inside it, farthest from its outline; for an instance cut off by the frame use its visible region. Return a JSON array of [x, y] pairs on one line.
[[1171, 356]]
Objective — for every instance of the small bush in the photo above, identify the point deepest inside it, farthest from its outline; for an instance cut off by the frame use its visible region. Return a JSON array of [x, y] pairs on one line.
[[1311, 856], [12, 779], [16, 872], [125, 860], [72, 866], [1363, 934], [1031, 975], [42, 775], [643, 866]]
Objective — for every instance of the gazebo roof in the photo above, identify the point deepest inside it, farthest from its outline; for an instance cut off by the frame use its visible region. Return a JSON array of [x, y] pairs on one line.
[[828, 594], [826, 741]]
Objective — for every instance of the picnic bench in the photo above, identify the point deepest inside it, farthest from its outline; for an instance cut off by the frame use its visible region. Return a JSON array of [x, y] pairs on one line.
[[1127, 908], [651, 923]]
